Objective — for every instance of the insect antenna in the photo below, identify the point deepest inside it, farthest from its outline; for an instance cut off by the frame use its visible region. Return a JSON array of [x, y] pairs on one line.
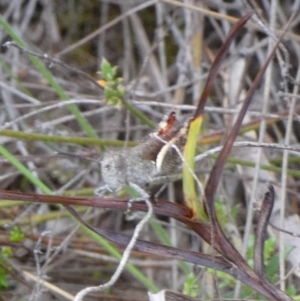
[[72, 155]]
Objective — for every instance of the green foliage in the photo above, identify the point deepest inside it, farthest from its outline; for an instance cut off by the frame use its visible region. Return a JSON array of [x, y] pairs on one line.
[[291, 290], [271, 260], [271, 264], [113, 90], [16, 235], [97, 275], [3, 278], [225, 280], [108, 71], [191, 285], [6, 252], [222, 212]]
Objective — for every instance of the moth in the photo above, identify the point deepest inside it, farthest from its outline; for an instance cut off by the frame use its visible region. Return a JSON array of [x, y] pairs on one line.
[[158, 154]]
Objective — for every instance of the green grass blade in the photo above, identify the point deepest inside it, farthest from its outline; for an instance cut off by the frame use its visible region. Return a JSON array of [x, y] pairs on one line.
[[51, 80]]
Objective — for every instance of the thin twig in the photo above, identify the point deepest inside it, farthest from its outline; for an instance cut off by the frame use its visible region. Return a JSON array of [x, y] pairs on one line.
[[247, 144], [49, 286], [53, 61], [79, 296], [284, 182]]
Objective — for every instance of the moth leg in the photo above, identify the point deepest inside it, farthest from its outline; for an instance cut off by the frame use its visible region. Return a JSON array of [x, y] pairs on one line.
[[100, 191], [142, 192], [144, 198], [159, 192]]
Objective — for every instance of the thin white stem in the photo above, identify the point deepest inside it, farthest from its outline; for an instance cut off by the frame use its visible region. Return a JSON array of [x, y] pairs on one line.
[[262, 131], [80, 295], [284, 175]]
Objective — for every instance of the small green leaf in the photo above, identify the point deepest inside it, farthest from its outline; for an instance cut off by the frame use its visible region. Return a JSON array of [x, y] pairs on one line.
[[105, 67], [270, 245], [108, 71], [6, 252], [97, 275], [16, 235], [191, 285], [291, 290], [3, 279], [113, 97]]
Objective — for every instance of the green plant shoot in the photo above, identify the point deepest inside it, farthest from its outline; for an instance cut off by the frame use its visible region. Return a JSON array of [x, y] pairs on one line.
[[113, 90]]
